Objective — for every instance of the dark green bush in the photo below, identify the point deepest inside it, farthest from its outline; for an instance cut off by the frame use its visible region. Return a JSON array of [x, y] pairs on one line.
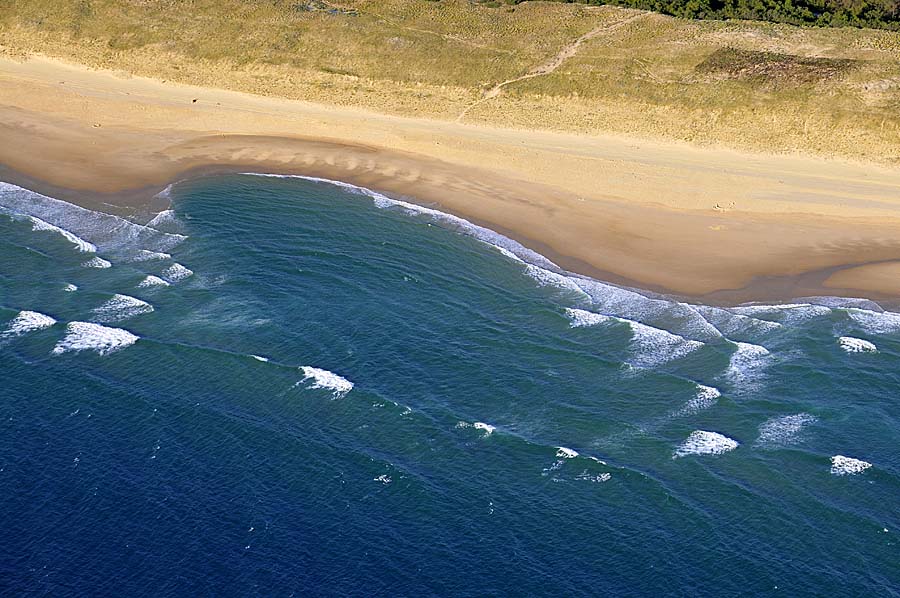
[[877, 14]]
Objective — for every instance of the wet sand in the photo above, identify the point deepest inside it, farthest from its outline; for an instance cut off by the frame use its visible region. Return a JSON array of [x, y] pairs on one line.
[[712, 223]]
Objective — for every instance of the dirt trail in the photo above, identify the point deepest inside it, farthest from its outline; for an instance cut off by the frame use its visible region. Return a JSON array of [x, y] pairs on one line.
[[567, 51]]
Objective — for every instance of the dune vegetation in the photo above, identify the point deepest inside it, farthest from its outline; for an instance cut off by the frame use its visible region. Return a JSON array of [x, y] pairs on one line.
[[560, 66], [879, 14]]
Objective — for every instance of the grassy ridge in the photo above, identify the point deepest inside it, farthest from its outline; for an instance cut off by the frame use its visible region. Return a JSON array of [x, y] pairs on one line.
[[737, 83]]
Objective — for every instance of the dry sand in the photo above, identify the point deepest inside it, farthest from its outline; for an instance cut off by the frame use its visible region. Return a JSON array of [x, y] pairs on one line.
[[711, 223]]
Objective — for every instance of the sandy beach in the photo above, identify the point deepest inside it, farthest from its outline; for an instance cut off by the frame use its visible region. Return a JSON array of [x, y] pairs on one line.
[[703, 222]]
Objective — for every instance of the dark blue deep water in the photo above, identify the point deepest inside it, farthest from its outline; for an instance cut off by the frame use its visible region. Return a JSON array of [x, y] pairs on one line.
[[511, 430]]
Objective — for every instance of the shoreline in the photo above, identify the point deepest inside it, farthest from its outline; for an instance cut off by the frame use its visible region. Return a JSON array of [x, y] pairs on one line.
[[767, 291], [716, 225]]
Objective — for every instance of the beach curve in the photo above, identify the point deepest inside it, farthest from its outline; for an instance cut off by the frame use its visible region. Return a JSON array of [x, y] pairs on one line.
[[702, 222]]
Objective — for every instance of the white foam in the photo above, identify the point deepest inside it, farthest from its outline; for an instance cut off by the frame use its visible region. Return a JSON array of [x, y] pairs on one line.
[[487, 428], [70, 288], [735, 325], [164, 217], [784, 430], [841, 465], [787, 313], [509, 254], [596, 478], [746, 364], [97, 262], [762, 308], [547, 278], [655, 346], [652, 346], [856, 345], [701, 442], [328, 380], [28, 321], [566, 453], [581, 318], [176, 272], [82, 336], [662, 313], [152, 281], [121, 307], [844, 302], [144, 255], [874, 322], [704, 398], [107, 233], [679, 319], [80, 244]]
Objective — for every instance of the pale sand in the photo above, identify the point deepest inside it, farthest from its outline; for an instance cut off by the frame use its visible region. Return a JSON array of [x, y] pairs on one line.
[[704, 222]]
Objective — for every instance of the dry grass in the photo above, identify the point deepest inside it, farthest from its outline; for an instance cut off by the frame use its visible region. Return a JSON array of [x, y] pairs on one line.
[[747, 85]]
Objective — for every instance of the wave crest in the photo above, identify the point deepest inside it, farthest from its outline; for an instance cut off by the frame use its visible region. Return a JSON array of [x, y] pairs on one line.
[[784, 430], [841, 465], [702, 442], [856, 345], [28, 321], [338, 385], [104, 232], [87, 336], [121, 307]]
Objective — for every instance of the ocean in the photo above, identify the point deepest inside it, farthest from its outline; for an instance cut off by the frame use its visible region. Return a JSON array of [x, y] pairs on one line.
[[284, 386]]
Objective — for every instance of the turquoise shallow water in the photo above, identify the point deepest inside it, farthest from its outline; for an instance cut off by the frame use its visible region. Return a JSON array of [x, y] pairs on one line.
[[321, 391]]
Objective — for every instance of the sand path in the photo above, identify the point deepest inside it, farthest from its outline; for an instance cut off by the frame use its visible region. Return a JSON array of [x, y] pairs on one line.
[[547, 67]]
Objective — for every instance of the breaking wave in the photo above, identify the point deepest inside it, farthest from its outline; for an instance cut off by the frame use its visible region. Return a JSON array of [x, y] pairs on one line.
[[152, 281], [786, 313], [80, 244], [320, 378], [704, 398], [28, 321], [747, 364], [856, 345], [85, 228], [784, 430], [121, 307], [87, 336], [701, 442], [581, 318], [651, 346], [841, 465], [566, 453], [488, 429], [176, 273], [875, 322], [97, 262], [144, 255]]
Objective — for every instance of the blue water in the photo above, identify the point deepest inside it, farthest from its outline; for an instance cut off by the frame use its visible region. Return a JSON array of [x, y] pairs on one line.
[[511, 429]]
